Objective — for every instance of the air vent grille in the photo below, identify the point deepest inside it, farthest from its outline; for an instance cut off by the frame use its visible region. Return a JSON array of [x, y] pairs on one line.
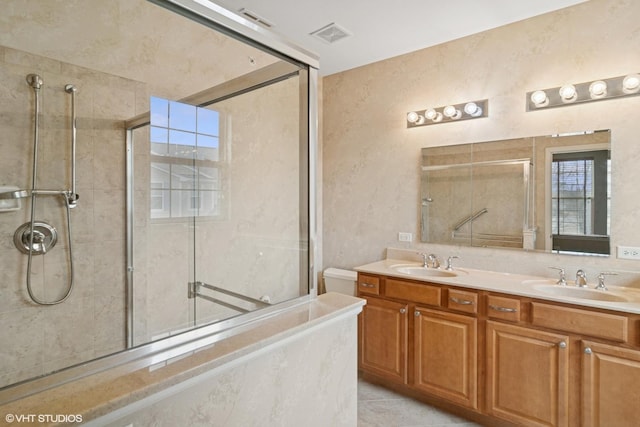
[[331, 33], [252, 16]]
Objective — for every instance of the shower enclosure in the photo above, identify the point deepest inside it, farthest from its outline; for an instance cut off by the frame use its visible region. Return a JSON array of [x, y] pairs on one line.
[[193, 151]]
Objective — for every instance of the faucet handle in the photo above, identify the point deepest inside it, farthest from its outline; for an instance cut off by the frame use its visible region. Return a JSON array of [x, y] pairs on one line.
[[425, 258], [562, 280], [450, 262], [601, 286], [581, 279]]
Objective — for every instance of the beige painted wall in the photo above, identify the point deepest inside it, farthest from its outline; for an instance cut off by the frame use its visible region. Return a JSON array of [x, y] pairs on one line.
[[371, 160]]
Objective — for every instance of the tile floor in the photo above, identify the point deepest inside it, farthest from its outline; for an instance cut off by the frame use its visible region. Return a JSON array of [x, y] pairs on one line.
[[379, 407]]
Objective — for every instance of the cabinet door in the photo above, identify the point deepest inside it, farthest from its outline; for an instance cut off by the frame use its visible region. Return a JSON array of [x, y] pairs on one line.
[[383, 339], [446, 355], [527, 375], [610, 386]]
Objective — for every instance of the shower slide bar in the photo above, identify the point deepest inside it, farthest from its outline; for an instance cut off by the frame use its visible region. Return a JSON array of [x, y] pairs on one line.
[[32, 237], [194, 291]]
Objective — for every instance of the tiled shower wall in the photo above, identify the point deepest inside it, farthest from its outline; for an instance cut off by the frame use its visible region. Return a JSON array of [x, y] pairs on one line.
[[39, 339]]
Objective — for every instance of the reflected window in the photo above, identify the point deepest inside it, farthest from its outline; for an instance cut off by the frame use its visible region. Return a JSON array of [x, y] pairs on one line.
[[185, 160], [580, 201]]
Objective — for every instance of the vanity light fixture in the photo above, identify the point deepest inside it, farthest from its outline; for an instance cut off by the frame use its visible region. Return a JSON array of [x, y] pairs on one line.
[[614, 87], [448, 113]]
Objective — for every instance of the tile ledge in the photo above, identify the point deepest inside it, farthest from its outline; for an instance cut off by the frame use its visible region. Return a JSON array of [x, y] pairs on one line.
[[115, 390]]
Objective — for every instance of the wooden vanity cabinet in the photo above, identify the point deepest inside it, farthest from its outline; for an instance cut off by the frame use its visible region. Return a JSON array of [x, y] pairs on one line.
[[383, 338], [610, 385], [445, 349], [527, 375], [502, 359]]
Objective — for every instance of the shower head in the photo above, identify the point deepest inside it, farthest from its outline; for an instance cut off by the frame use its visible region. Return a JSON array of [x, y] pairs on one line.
[[35, 81], [70, 88]]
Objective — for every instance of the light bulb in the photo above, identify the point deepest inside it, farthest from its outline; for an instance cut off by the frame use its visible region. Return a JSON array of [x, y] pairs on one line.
[[598, 89], [451, 112], [412, 117], [433, 115], [430, 114], [539, 98], [631, 83], [472, 109], [568, 93]]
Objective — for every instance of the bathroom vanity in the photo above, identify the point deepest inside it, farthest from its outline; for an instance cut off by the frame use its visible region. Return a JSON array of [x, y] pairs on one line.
[[502, 349]]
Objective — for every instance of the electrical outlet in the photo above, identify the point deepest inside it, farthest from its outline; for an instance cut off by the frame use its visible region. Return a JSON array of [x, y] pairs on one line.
[[628, 252], [405, 237]]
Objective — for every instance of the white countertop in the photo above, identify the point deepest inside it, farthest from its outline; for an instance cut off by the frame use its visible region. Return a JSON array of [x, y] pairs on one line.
[[516, 284]]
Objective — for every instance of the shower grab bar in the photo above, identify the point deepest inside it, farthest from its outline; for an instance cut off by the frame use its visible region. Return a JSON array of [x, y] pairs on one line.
[[194, 291], [504, 238], [470, 218]]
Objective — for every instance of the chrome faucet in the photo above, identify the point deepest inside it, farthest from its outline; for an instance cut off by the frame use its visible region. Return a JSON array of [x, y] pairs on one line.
[[430, 260], [581, 279], [562, 280]]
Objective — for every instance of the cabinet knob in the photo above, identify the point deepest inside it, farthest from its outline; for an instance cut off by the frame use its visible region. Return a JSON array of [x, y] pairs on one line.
[[416, 313], [403, 310], [588, 350], [562, 344], [367, 285]]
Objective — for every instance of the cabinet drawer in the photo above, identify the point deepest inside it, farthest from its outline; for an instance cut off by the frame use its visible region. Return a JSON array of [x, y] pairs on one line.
[[414, 292], [463, 301], [503, 308], [368, 284], [585, 322]]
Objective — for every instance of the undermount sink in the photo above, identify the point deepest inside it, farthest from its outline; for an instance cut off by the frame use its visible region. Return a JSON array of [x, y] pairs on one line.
[[546, 287], [420, 271]]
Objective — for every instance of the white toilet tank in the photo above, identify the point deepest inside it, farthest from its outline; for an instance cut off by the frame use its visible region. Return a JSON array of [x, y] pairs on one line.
[[341, 281]]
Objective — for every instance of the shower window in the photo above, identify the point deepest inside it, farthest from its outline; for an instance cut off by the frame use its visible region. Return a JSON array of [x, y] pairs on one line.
[[185, 160]]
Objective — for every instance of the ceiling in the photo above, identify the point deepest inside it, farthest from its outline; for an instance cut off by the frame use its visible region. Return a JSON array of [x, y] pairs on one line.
[[382, 29]]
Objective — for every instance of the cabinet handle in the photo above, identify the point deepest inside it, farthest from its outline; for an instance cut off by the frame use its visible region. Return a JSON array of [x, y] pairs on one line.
[[461, 301], [367, 285], [502, 309], [416, 313], [562, 344], [403, 310], [588, 350]]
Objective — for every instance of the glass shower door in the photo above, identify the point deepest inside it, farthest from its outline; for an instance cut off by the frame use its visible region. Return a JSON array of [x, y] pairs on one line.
[[250, 252], [161, 238]]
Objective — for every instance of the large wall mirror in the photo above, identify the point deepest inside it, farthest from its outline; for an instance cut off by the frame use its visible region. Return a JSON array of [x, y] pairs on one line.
[[547, 193]]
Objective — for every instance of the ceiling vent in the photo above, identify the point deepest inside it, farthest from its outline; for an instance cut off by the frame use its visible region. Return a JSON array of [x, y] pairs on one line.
[[252, 16], [331, 33]]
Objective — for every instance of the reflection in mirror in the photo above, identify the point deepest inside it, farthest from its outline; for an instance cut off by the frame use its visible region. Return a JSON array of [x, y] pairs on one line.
[[547, 193]]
